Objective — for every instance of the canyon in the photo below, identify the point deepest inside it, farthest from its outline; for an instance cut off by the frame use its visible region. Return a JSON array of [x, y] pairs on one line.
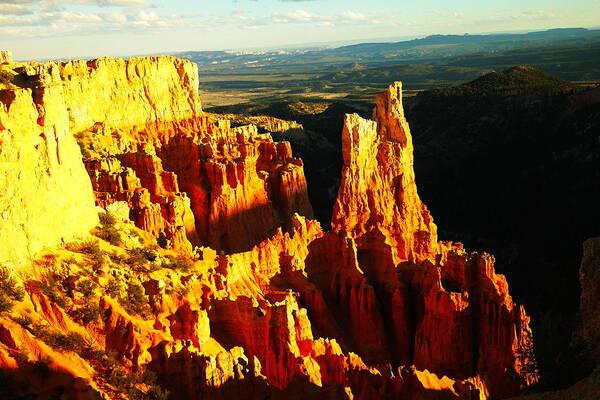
[[489, 154], [144, 237]]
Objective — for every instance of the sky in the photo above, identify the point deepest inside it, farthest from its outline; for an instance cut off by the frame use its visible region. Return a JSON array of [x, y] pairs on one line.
[[46, 29]]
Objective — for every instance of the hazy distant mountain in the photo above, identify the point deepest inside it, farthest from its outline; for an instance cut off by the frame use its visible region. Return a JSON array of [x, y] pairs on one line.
[[430, 46]]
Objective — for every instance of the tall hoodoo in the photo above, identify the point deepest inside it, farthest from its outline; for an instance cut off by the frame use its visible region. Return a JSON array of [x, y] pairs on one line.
[[378, 190], [393, 236]]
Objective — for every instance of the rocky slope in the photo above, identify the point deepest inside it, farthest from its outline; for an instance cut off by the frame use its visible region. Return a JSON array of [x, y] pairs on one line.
[[207, 276]]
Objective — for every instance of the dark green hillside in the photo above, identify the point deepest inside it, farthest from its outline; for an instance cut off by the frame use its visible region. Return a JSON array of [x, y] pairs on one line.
[[520, 80]]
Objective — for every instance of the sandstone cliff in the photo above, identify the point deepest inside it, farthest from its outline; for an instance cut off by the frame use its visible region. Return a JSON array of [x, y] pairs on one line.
[[46, 194], [207, 268]]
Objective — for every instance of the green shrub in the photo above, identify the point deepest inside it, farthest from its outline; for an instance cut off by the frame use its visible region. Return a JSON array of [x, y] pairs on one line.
[[120, 378], [86, 287], [179, 264], [154, 393], [70, 262], [89, 312], [141, 259], [117, 258], [113, 288], [109, 359], [157, 393], [6, 304], [142, 255], [90, 247], [108, 219], [148, 377], [71, 341], [54, 290], [106, 358], [162, 240], [10, 291], [9, 286], [23, 320], [183, 291], [23, 356], [136, 300], [6, 77], [111, 235], [127, 382], [108, 231]]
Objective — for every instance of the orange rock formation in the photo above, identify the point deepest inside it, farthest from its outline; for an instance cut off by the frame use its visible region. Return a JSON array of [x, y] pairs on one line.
[[270, 304], [378, 190]]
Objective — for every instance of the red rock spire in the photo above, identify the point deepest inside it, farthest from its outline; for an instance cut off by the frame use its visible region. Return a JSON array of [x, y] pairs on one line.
[[378, 190]]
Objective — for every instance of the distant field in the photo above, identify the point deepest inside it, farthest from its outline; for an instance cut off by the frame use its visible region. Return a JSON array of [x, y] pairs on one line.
[[335, 75]]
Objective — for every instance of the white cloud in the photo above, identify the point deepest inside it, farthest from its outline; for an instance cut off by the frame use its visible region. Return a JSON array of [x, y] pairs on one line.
[[326, 24], [294, 16], [354, 16], [51, 17], [48, 4], [146, 16], [449, 14], [69, 16], [533, 15], [14, 9], [124, 3], [40, 31], [324, 20], [18, 20], [115, 17]]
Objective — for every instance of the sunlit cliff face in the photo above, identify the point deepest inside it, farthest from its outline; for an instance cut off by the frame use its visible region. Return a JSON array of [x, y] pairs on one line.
[[207, 268]]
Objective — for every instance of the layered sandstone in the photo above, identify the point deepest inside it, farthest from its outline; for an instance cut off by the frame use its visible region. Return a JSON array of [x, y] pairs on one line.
[[46, 194], [234, 187], [122, 93], [210, 272], [234, 178]]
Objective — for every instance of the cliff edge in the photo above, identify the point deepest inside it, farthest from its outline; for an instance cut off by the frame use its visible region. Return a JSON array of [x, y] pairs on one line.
[[47, 196]]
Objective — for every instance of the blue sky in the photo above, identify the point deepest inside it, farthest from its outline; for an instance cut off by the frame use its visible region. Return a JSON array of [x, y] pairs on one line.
[[80, 28]]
